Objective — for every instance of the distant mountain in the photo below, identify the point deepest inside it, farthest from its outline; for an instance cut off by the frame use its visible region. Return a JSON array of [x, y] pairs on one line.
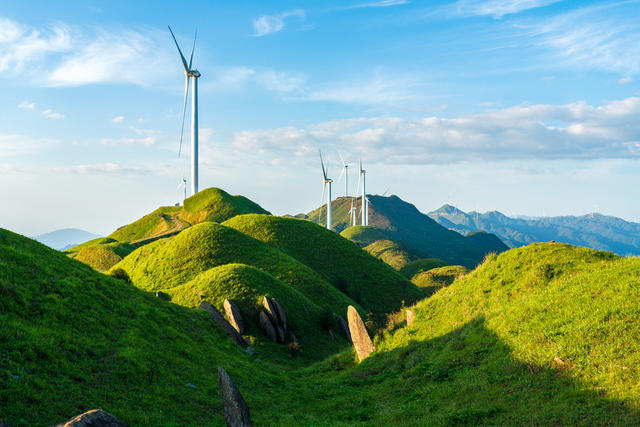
[[594, 231], [402, 222], [65, 238]]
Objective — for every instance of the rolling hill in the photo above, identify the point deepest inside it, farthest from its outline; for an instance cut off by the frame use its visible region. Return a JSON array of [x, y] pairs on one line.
[[541, 335], [401, 222], [371, 283], [593, 230]]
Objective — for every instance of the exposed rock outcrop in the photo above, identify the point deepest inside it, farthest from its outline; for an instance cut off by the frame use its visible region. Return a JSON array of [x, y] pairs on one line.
[[359, 335], [234, 315], [94, 418], [236, 411], [222, 322]]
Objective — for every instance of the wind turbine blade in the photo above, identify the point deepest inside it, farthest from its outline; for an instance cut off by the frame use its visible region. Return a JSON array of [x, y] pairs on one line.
[[360, 164], [324, 187], [342, 158], [193, 47], [358, 186], [341, 173], [184, 61], [184, 113], [324, 171]]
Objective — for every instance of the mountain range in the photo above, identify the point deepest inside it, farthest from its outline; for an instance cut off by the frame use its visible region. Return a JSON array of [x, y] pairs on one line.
[[593, 230], [65, 238]]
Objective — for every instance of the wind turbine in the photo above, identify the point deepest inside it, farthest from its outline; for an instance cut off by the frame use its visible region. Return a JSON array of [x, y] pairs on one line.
[[195, 74], [326, 183], [364, 208], [345, 172]]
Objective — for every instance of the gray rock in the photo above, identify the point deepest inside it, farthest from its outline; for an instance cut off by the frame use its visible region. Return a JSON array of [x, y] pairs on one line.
[[281, 335], [94, 418], [345, 327], [359, 335], [234, 315], [222, 322], [271, 309], [411, 316], [236, 411], [250, 350], [267, 326], [282, 316]]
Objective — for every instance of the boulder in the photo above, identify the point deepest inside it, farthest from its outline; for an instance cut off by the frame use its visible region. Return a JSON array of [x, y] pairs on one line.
[[93, 418], [267, 326], [282, 316], [162, 296], [236, 411], [234, 315], [281, 335], [271, 309], [222, 322], [345, 327], [411, 316], [359, 335]]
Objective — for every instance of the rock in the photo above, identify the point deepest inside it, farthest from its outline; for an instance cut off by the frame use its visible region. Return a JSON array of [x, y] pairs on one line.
[[282, 316], [281, 335], [411, 316], [345, 327], [162, 296], [267, 326], [93, 418], [222, 322], [250, 350], [359, 335], [559, 361], [236, 411], [271, 309], [234, 315], [192, 385]]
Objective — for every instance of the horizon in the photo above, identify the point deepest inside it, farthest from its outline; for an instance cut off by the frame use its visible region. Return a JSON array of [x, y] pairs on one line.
[[528, 108]]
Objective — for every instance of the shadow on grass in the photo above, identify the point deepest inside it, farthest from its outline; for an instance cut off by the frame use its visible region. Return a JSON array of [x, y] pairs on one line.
[[468, 376]]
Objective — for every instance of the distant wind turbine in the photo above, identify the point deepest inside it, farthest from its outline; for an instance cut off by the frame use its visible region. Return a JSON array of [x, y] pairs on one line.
[[195, 74], [364, 208], [345, 172], [326, 184]]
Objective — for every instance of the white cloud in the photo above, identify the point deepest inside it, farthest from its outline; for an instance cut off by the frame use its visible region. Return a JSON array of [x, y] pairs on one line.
[[49, 113], [498, 8], [268, 24], [15, 145], [145, 137], [27, 105], [571, 131], [236, 78], [625, 80], [117, 119], [110, 168], [601, 37], [381, 3]]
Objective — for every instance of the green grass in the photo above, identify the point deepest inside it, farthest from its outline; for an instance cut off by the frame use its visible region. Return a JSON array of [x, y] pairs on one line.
[[157, 222], [168, 263], [247, 286], [391, 253], [421, 265], [437, 278], [363, 235], [370, 282], [101, 254]]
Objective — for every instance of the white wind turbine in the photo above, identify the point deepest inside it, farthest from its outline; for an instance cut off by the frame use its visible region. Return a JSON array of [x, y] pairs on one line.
[[326, 183], [345, 172], [195, 74], [364, 209]]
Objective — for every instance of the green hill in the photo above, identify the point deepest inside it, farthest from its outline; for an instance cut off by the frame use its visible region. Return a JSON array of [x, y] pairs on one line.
[[211, 204], [542, 335], [167, 263], [391, 253], [363, 235], [421, 265], [437, 278], [401, 222], [72, 339], [373, 284]]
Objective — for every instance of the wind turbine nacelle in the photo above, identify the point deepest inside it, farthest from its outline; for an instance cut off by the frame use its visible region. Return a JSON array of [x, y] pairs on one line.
[[195, 73]]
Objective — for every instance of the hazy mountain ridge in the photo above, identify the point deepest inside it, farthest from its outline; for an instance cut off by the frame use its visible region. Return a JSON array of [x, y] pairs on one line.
[[593, 230], [65, 238]]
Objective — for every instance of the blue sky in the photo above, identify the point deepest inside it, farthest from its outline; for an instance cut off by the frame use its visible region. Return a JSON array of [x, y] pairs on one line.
[[524, 106]]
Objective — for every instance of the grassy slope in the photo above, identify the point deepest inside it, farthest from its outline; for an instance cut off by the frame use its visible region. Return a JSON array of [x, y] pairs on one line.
[[437, 278], [391, 252], [421, 265], [172, 262], [482, 350], [246, 286], [373, 284], [363, 235], [72, 339]]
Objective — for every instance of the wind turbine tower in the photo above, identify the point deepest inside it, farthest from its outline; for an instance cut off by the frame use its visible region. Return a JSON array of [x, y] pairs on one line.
[[194, 74], [364, 208], [326, 184]]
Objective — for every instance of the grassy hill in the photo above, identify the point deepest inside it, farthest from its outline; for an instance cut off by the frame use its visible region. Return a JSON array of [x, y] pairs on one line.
[[542, 335], [167, 263], [373, 284], [421, 265], [402, 223], [437, 278], [211, 204], [391, 253], [593, 230], [363, 235]]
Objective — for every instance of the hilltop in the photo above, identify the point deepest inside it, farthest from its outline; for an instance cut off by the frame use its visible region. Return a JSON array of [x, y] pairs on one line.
[[371, 283], [593, 230], [402, 223]]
